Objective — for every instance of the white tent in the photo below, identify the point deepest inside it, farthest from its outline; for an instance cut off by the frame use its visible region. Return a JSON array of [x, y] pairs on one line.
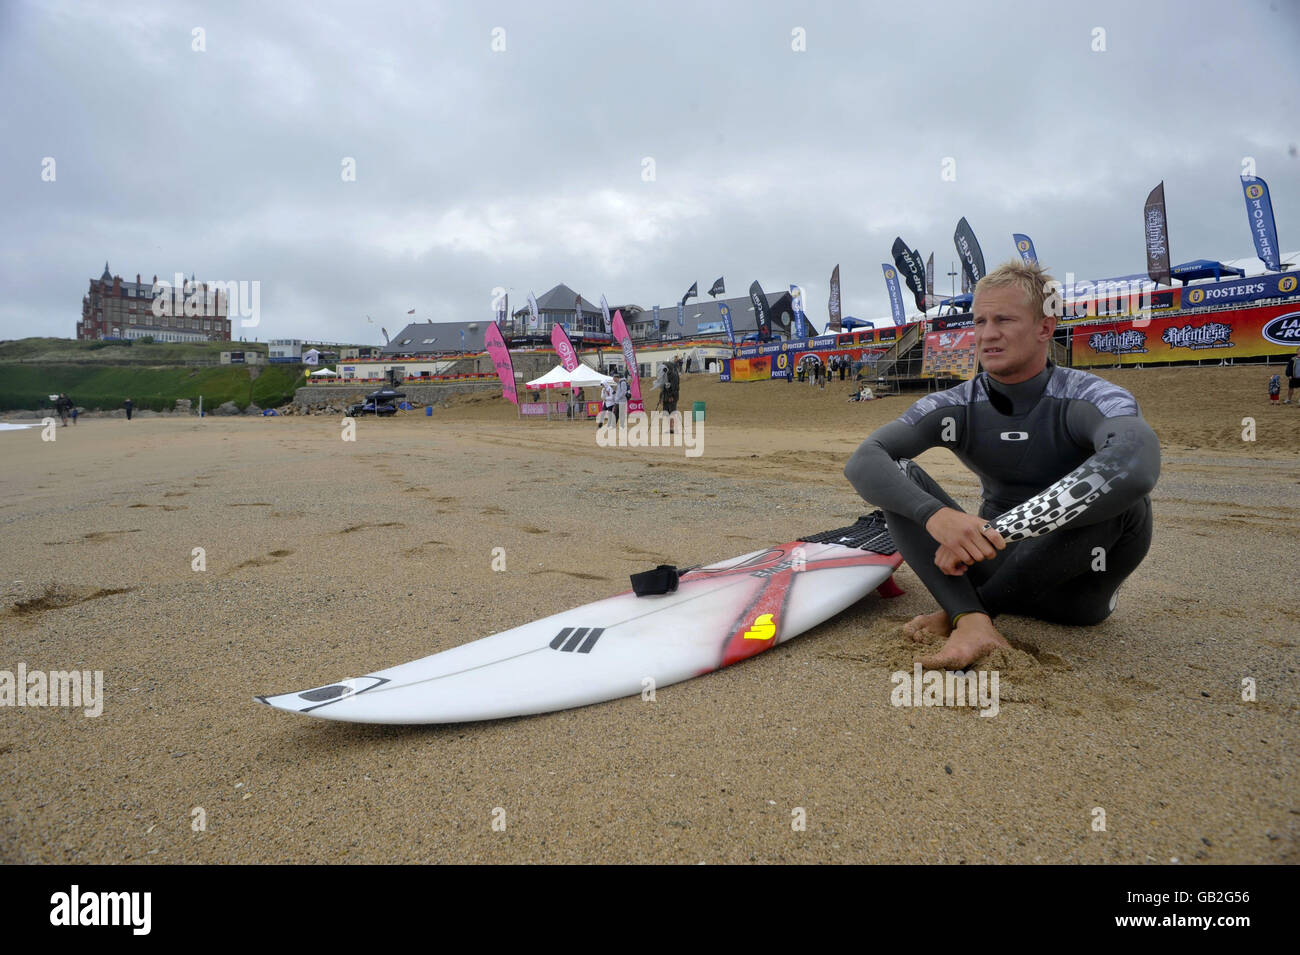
[[581, 377], [324, 373], [311, 356]]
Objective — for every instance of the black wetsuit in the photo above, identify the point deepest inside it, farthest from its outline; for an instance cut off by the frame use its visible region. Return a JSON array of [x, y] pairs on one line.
[[1066, 464]]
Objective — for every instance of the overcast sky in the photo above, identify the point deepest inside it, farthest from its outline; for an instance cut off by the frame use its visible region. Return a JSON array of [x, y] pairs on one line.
[[526, 167]]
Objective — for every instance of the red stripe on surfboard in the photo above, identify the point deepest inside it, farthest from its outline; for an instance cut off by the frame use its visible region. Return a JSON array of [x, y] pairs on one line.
[[771, 599]]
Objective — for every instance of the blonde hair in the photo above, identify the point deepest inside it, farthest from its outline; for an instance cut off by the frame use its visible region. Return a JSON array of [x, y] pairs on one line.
[[1042, 292]]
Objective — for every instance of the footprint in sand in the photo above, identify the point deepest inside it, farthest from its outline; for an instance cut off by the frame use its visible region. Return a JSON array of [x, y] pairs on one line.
[[270, 558], [362, 527], [56, 598]]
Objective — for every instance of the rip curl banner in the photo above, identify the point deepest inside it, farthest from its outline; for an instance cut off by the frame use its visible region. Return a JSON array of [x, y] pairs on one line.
[[833, 303], [604, 312], [929, 275], [1025, 246], [634, 403], [564, 349], [532, 311], [968, 250], [895, 294], [761, 317], [909, 266], [796, 304], [1263, 228], [1156, 225], [1249, 333], [725, 309], [500, 355]]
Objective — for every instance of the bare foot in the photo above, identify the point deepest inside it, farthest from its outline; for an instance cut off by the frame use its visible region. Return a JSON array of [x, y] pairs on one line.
[[928, 624], [974, 637]]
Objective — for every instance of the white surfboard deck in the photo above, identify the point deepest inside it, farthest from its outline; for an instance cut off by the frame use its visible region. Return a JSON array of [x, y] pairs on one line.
[[719, 615]]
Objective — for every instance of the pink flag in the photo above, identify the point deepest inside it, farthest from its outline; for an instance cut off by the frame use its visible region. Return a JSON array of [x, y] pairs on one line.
[[563, 347], [621, 336], [500, 355]]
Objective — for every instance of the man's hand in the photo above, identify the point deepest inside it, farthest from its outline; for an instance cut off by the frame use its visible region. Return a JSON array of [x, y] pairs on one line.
[[962, 540]]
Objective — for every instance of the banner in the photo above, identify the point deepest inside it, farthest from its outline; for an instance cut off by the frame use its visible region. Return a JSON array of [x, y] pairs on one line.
[[500, 355], [1263, 228], [533, 318], [718, 287], [724, 369], [833, 303], [634, 403], [692, 292], [656, 314], [1157, 236], [1249, 333], [782, 367], [750, 369], [949, 354], [929, 276], [564, 348], [577, 308], [503, 309], [681, 316], [726, 322], [909, 266], [895, 295], [604, 312], [968, 250], [1025, 246], [761, 319], [796, 304]]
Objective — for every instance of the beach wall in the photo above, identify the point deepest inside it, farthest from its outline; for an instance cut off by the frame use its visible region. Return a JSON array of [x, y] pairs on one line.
[[320, 397]]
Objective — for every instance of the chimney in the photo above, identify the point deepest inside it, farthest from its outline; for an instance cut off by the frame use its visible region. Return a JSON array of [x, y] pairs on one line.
[[137, 278]]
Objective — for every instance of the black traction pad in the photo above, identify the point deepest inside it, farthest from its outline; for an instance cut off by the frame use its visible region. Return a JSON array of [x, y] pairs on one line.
[[869, 533]]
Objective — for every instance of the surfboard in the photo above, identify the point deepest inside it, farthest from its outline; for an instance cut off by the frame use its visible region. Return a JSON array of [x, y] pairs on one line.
[[718, 615]]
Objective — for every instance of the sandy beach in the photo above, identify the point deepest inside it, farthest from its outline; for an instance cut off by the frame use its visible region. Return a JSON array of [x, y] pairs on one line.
[[327, 559]]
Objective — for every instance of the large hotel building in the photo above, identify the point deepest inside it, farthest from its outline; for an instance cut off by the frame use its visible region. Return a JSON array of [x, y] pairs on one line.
[[117, 309]]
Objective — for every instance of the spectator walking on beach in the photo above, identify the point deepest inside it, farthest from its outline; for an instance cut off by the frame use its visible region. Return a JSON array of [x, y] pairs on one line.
[[620, 396], [61, 408], [844, 366], [128, 405], [72, 411], [1292, 376], [606, 403]]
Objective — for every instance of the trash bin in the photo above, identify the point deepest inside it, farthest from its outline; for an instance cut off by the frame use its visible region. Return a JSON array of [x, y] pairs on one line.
[[428, 411], [698, 411]]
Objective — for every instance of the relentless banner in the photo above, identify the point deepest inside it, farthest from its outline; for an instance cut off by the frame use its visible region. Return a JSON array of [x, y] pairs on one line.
[[1249, 333], [1156, 224], [833, 303]]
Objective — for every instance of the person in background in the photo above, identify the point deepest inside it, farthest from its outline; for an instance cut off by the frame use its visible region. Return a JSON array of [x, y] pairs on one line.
[[128, 405], [61, 408], [620, 396], [844, 366], [1292, 376], [1274, 389], [72, 411], [607, 403]]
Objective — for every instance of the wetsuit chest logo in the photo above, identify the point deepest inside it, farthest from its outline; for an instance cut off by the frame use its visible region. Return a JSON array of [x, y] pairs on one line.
[[1015, 435]]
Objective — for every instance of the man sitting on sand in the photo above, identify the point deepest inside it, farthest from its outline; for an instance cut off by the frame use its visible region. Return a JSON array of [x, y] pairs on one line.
[[1065, 462]]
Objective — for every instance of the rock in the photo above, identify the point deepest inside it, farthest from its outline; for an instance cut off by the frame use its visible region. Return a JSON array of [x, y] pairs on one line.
[[184, 405], [146, 413], [226, 408], [252, 409]]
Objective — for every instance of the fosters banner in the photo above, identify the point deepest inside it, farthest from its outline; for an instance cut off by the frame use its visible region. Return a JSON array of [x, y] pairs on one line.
[[1271, 330]]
